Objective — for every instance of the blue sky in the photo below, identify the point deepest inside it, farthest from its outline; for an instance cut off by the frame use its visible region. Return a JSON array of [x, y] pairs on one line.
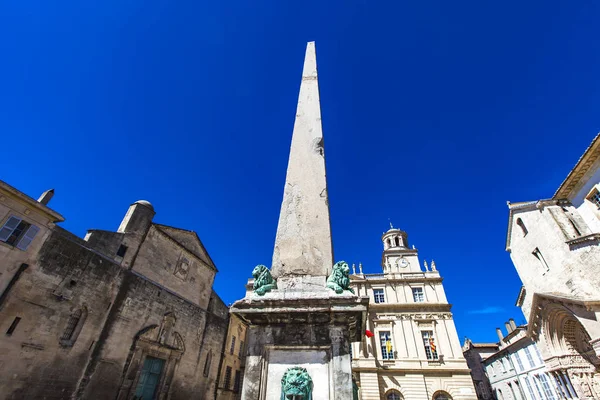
[[435, 114]]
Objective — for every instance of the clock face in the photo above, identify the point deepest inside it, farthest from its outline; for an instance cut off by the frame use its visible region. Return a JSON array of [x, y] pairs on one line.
[[403, 262]]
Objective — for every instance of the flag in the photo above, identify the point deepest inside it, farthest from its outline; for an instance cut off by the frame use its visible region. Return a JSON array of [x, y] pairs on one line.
[[432, 345], [369, 334], [388, 346]]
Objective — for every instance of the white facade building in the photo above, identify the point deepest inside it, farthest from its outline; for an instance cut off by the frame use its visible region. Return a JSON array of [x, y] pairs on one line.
[[517, 371], [414, 352], [554, 245]]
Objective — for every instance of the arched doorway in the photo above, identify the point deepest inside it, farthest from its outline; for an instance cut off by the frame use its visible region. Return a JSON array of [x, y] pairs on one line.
[[566, 336]]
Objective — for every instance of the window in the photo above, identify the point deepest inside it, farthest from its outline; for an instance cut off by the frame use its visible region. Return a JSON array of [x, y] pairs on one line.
[[430, 347], [13, 326], [529, 357], [17, 232], [546, 386], [387, 350], [563, 394], [241, 348], [594, 197], [232, 345], [442, 396], [522, 226], [537, 387], [519, 362], [397, 241], [236, 381], [538, 254], [393, 395], [227, 379], [500, 396], [518, 386], [122, 250], [512, 391], [529, 388], [537, 352], [418, 295], [149, 378], [502, 366], [379, 295], [207, 363]]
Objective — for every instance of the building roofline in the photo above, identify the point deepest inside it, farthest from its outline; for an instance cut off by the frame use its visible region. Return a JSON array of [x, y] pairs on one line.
[[584, 164], [54, 216]]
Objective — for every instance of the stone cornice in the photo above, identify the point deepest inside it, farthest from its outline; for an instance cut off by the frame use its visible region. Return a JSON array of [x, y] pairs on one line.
[[584, 164], [587, 240], [408, 307]]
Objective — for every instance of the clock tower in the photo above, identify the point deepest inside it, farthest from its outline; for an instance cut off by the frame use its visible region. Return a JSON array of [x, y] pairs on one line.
[[397, 256]]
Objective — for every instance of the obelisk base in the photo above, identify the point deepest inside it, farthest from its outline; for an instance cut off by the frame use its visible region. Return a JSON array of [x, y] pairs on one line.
[[313, 331]]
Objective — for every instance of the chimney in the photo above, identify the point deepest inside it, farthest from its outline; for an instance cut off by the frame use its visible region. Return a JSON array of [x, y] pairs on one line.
[[512, 323], [509, 327], [138, 218], [46, 197], [499, 332]]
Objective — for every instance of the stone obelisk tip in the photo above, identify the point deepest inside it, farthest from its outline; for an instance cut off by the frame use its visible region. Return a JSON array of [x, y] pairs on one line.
[[303, 241]]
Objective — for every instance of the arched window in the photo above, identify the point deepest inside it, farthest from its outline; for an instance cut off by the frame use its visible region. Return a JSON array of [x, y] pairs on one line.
[[441, 395], [393, 395], [522, 225], [74, 325], [207, 363], [397, 240], [389, 242]]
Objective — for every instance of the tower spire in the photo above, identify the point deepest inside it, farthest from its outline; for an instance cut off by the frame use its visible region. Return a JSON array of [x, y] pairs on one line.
[[303, 241]]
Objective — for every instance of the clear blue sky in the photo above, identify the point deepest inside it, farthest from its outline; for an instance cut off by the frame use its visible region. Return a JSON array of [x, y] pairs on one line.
[[434, 115]]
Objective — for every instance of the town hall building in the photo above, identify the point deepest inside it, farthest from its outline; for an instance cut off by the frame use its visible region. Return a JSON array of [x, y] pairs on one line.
[[413, 351]]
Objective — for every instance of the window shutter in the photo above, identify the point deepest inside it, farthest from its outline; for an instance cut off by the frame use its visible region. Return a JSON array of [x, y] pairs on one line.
[[28, 237], [9, 227]]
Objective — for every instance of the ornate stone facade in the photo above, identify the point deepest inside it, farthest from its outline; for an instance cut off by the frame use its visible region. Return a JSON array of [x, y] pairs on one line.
[[414, 352], [554, 245]]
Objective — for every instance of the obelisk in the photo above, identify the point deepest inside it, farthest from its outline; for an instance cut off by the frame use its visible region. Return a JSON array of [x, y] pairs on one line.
[[303, 242], [300, 323]]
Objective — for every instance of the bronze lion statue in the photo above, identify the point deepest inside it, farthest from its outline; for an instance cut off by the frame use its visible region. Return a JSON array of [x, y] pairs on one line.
[[263, 281], [339, 279]]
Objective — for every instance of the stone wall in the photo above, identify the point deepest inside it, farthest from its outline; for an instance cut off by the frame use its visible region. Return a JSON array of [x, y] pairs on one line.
[[66, 278], [115, 318]]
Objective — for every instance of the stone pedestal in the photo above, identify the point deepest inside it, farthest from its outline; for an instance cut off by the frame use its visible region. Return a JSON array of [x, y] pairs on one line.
[[310, 329]]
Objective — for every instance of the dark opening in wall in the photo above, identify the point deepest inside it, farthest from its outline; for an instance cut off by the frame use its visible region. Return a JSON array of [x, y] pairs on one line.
[[122, 250], [13, 326]]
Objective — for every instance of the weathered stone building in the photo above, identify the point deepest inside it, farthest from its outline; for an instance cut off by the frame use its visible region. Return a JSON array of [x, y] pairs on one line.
[[414, 352], [232, 361], [554, 245], [128, 314], [475, 354]]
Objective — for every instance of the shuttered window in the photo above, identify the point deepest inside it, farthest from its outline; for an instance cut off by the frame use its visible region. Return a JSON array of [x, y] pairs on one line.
[[17, 232]]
